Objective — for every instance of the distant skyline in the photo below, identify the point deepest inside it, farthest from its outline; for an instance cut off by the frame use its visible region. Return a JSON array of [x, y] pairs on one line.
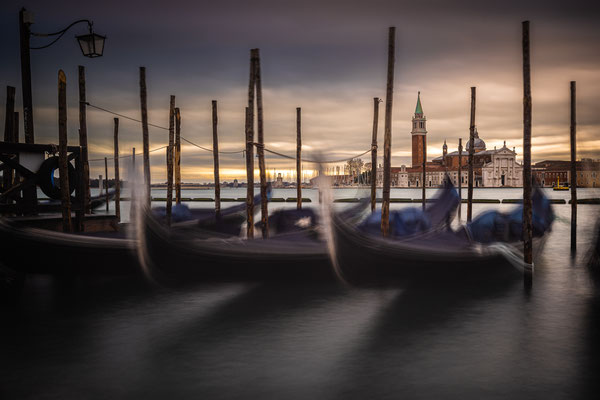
[[328, 57]]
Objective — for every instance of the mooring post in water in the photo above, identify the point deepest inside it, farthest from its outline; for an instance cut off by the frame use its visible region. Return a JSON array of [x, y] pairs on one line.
[[63, 160], [460, 149], [9, 130], [471, 153], [573, 133], [170, 151], [146, 140], [83, 140], [527, 212], [177, 152], [298, 158], [132, 194], [117, 178], [215, 121], [249, 176], [424, 194], [106, 181], [260, 148], [387, 143], [374, 153]]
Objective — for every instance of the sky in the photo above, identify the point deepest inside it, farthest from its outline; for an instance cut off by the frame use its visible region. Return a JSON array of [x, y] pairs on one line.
[[327, 57]]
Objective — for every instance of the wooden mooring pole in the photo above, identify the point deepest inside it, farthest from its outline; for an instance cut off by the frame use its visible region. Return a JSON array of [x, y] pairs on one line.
[[374, 153], [573, 183], [471, 152], [117, 178], [83, 141], [260, 148], [177, 152], [298, 158], [249, 176], [387, 143], [460, 149], [132, 194], [527, 212], [106, 181], [146, 140], [170, 159], [63, 160], [424, 162], [215, 121]]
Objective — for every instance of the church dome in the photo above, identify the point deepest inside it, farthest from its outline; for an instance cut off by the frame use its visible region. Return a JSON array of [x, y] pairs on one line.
[[479, 144]]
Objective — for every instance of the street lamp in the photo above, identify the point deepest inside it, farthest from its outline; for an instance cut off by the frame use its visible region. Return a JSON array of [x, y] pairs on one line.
[[91, 44]]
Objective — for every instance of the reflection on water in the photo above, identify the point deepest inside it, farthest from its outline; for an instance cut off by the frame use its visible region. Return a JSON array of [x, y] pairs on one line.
[[118, 338]]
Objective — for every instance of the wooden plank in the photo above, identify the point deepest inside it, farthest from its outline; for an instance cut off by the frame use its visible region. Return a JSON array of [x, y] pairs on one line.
[[177, 158], [573, 183], [249, 177], [65, 193], [387, 144], [298, 158], [170, 151], [117, 177]]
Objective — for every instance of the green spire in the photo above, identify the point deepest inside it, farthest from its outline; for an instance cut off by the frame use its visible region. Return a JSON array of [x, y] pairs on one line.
[[419, 109]]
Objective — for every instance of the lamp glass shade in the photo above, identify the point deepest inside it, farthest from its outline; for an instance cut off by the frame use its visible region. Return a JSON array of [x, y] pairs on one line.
[[92, 44]]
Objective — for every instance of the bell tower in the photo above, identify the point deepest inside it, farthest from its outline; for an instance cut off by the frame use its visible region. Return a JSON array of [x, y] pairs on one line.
[[419, 134]]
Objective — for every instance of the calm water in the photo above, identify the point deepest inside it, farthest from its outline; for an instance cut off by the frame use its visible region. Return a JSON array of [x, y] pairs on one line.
[[118, 338]]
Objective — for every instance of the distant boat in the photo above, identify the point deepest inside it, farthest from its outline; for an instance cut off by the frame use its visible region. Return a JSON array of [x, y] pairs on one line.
[[558, 186]]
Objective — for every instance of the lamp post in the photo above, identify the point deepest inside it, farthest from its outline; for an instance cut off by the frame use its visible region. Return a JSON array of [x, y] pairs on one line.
[[91, 44]]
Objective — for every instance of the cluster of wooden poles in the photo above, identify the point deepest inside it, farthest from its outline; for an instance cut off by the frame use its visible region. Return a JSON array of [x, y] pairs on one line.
[[255, 109]]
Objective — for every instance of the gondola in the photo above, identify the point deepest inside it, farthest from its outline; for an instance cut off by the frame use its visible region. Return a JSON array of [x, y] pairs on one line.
[[293, 253], [440, 255], [36, 250]]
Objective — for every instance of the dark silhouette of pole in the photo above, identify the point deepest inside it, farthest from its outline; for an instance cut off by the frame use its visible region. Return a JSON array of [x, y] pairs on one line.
[[260, 148], [24, 31], [170, 158], [573, 132], [9, 131], [460, 149], [374, 153], [216, 158], [471, 152], [423, 194], [177, 152], [83, 140], [298, 158], [106, 181], [145, 136], [117, 178], [387, 144], [132, 178], [249, 176], [527, 212], [63, 161]]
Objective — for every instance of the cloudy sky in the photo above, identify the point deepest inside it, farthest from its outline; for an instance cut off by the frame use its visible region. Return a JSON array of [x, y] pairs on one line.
[[328, 57]]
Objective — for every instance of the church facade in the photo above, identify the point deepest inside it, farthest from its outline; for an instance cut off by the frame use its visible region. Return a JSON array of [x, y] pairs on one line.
[[492, 168]]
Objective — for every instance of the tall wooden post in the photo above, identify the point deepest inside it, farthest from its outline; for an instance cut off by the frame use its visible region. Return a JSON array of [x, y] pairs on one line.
[[471, 152], [117, 178], [527, 212], [83, 141], [215, 121], [177, 152], [424, 179], [460, 149], [145, 137], [63, 161], [106, 181], [9, 130], [260, 148], [298, 158], [573, 183], [132, 178], [170, 158], [249, 176], [25, 19], [374, 153], [387, 143]]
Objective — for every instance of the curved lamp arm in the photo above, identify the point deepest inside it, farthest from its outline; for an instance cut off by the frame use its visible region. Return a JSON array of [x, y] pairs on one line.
[[59, 33]]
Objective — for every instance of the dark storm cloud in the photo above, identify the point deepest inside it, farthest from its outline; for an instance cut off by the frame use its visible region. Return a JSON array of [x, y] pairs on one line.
[[328, 57]]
